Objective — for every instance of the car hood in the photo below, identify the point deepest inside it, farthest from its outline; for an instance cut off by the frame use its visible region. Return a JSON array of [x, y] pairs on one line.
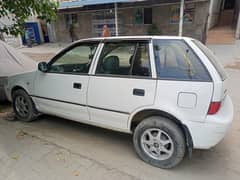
[[13, 62]]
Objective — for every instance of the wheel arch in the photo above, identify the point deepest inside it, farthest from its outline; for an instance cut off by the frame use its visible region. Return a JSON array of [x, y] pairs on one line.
[[142, 114], [17, 87]]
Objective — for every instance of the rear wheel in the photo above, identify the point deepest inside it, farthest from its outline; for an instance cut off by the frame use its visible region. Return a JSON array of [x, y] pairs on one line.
[[159, 142], [23, 106]]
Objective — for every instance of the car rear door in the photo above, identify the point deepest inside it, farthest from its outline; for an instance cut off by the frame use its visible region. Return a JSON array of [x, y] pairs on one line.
[[62, 90], [121, 83]]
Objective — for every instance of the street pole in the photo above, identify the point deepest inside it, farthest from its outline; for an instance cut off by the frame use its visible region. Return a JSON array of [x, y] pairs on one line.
[[116, 18], [238, 28], [181, 18]]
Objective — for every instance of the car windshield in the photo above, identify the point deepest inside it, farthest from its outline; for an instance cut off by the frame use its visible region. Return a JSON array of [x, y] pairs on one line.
[[214, 60]]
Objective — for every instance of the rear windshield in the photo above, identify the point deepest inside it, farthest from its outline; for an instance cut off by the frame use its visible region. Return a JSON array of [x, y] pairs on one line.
[[214, 60]]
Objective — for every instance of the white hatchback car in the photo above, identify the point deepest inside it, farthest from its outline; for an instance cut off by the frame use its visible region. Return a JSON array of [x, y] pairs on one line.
[[170, 92]]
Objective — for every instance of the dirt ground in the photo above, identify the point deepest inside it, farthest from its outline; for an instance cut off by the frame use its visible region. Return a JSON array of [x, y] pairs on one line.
[[234, 65], [40, 57], [56, 149], [43, 52]]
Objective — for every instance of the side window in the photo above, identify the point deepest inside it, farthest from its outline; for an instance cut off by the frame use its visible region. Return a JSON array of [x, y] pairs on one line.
[[175, 60], [76, 60], [125, 59]]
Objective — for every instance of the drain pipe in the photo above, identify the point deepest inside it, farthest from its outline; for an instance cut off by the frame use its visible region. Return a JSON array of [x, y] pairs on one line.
[[116, 18], [237, 35], [181, 18]]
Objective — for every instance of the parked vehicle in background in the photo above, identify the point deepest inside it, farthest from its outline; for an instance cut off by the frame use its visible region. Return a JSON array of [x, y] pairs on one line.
[[170, 92], [2, 93], [12, 63]]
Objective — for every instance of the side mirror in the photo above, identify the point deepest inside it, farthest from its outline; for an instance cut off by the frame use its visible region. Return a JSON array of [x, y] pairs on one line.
[[43, 67]]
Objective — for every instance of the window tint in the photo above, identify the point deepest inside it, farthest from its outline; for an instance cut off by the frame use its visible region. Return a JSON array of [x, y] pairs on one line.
[[212, 58], [76, 60], [124, 59], [175, 60]]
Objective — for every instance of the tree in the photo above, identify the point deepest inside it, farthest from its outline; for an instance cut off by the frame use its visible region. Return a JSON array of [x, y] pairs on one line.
[[17, 11]]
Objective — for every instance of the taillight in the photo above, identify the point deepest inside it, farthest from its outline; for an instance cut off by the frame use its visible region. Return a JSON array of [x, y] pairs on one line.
[[214, 108]]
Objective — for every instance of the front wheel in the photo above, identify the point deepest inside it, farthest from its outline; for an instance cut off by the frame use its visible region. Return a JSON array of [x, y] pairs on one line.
[[23, 106], [159, 142]]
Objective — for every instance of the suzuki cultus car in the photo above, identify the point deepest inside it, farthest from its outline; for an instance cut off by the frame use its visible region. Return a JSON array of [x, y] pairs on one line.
[[169, 92]]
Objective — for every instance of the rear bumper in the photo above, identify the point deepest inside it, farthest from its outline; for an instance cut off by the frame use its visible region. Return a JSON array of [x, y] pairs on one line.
[[212, 131]]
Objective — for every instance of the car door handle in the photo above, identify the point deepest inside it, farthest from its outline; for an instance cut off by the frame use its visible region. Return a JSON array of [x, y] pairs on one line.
[[139, 92], [77, 85]]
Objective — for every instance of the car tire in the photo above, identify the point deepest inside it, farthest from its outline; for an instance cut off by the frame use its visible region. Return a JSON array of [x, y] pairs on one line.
[[159, 142], [23, 106]]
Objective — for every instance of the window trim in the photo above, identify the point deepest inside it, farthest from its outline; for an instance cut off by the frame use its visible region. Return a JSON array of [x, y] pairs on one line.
[[147, 41], [64, 51], [158, 73]]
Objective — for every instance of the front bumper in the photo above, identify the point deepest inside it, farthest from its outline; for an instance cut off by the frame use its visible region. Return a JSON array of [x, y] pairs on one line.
[[212, 131]]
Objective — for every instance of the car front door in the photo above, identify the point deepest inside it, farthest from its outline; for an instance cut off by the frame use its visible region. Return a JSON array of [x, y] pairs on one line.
[[122, 83], [62, 89]]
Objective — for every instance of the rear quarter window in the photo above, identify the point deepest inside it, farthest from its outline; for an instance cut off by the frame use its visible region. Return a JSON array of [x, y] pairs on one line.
[[175, 60], [213, 59]]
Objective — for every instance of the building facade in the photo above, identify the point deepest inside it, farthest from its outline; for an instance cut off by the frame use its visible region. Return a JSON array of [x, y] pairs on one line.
[[225, 13], [155, 17]]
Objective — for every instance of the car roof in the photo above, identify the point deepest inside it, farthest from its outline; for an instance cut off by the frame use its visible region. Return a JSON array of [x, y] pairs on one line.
[[130, 38]]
